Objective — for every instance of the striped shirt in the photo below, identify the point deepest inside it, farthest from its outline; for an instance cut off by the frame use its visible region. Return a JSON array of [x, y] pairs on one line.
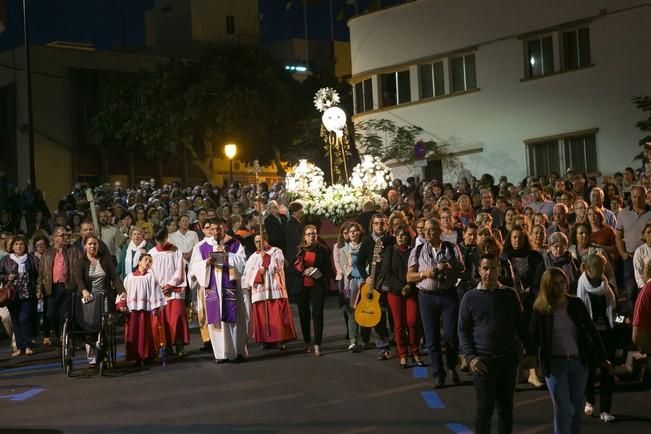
[[426, 258]]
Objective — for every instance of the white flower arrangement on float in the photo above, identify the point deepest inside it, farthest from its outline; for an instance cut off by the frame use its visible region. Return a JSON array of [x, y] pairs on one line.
[[337, 202], [305, 180], [371, 175]]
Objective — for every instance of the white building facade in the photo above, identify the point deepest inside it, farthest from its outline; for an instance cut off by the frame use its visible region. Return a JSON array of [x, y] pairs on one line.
[[515, 87]]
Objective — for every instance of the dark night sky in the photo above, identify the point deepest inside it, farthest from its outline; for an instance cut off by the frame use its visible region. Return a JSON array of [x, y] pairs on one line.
[[113, 24], [107, 24]]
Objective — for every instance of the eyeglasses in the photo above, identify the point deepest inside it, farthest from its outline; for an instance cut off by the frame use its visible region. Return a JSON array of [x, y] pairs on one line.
[[310, 234]]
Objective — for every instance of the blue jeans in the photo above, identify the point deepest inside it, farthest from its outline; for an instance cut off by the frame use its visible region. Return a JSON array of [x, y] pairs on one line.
[[22, 313], [433, 310], [566, 383]]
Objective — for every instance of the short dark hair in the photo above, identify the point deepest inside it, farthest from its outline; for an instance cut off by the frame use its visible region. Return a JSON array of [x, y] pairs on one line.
[[490, 257], [161, 234], [295, 206]]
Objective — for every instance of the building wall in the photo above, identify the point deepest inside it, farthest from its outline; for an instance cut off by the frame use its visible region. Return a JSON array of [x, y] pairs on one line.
[[506, 110], [209, 19], [54, 126]]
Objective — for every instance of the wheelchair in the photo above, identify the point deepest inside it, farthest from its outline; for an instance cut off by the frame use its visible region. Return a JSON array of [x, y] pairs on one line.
[[91, 323]]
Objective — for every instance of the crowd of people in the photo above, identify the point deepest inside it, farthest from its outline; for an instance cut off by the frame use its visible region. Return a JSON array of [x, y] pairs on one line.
[[535, 280]]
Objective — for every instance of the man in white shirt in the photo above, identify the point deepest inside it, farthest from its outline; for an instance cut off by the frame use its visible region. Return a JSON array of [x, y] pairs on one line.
[[184, 239], [109, 233]]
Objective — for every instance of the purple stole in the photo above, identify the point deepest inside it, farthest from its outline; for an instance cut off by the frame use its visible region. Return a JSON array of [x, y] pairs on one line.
[[226, 311]]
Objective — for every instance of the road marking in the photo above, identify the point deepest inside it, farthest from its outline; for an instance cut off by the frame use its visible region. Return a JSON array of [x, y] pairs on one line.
[[531, 401], [77, 361], [432, 399], [29, 393], [385, 392], [420, 372], [458, 428]]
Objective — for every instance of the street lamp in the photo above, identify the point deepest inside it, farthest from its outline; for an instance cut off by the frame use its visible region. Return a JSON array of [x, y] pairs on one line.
[[230, 150]]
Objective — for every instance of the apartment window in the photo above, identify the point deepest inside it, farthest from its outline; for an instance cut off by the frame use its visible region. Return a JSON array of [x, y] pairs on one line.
[[578, 152], [364, 96], [576, 48], [540, 56], [431, 79], [396, 88], [230, 24], [463, 73]]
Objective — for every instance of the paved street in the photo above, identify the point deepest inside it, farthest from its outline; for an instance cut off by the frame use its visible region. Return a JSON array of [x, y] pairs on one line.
[[274, 392]]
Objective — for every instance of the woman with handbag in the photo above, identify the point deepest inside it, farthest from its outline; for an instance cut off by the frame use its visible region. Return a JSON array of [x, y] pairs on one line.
[[312, 270], [402, 297], [20, 270], [95, 275], [567, 340]]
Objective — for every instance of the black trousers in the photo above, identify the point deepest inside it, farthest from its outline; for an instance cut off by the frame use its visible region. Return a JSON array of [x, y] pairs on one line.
[[381, 331], [59, 304], [607, 382], [495, 388], [310, 302]]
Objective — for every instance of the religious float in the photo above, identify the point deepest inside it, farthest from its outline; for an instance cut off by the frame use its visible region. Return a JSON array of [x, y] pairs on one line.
[[343, 198]]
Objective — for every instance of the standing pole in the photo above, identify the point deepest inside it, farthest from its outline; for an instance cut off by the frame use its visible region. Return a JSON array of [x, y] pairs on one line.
[[30, 110], [332, 24], [307, 44]]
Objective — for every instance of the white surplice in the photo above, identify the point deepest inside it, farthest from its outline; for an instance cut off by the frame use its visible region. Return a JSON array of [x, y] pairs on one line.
[[228, 339]]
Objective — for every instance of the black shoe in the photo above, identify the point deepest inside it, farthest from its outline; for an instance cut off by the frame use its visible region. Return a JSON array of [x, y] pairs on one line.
[[240, 359], [384, 355], [439, 383], [207, 347], [403, 363], [221, 361]]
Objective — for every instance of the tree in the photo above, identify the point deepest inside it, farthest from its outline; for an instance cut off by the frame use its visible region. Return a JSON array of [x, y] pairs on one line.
[[192, 108], [644, 104], [385, 139]]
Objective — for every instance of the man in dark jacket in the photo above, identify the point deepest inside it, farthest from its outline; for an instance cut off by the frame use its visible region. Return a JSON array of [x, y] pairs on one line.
[[379, 232], [294, 230], [275, 224]]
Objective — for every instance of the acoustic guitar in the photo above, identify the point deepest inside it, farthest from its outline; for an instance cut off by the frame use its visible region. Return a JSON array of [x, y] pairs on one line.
[[367, 311]]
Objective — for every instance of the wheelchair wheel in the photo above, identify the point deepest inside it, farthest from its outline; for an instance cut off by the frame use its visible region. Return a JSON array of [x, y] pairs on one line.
[[67, 348]]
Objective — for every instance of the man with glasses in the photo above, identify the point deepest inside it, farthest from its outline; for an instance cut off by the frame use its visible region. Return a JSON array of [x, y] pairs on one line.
[[435, 268], [379, 233], [56, 277], [223, 309]]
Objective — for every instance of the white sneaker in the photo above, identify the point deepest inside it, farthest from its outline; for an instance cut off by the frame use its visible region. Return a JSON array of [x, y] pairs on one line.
[[317, 351], [607, 417], [588, 409], [351, 347]]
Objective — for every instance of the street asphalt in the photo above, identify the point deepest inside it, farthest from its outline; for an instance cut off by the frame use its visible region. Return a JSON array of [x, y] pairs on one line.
[[273, 392]]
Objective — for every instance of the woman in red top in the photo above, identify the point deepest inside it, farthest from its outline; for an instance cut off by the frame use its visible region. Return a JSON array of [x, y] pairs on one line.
[[312, 267], [602, 236]]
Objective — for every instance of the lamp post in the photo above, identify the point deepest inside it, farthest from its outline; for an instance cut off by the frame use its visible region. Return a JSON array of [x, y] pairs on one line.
[[230, 150]]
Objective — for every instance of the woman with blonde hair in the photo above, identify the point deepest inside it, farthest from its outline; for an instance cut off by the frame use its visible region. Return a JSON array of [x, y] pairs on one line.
[[567, 340], [465, 214]]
